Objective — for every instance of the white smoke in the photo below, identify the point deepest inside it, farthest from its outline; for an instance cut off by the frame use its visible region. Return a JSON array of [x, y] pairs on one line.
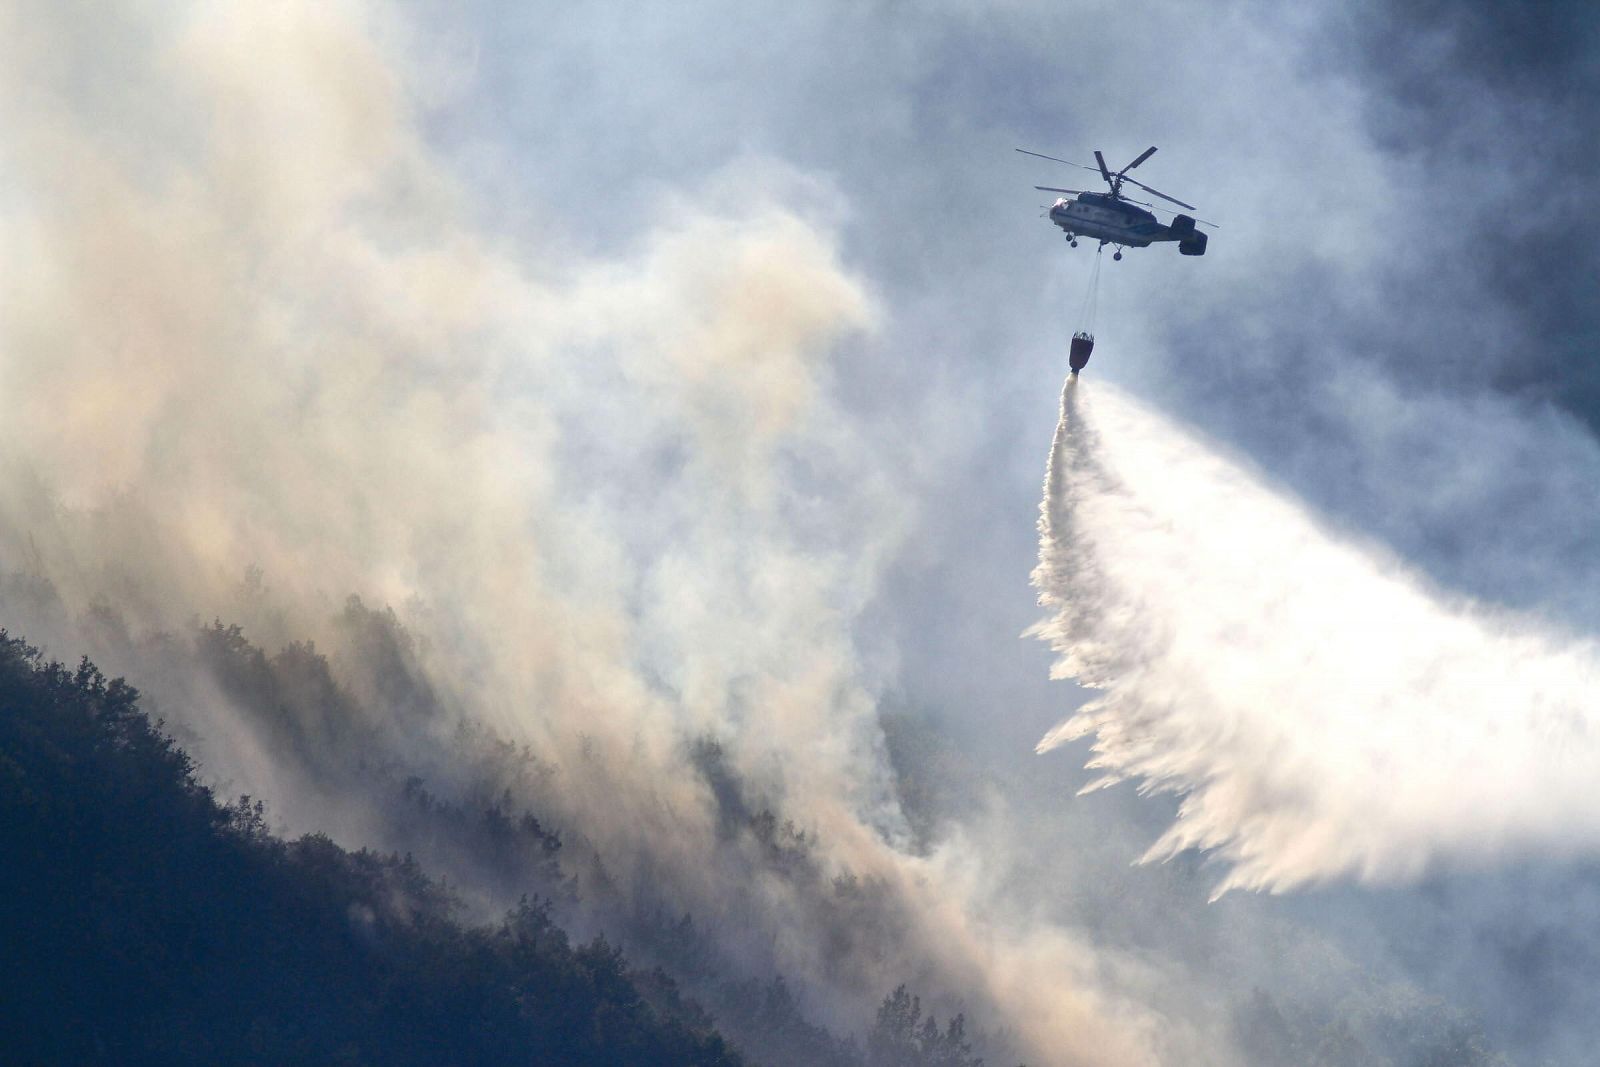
[[248, 319], [1321, 709]]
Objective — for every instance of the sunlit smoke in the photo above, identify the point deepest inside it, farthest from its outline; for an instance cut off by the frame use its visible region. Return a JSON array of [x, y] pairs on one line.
[[260, 355], [1321, 709]]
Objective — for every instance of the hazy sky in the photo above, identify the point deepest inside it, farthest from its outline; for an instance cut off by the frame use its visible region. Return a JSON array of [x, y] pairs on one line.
[[1367, 326], [1395, 321], [752, 310]]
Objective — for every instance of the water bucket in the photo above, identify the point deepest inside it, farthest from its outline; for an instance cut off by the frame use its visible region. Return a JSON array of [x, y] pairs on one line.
[[1082, 345]]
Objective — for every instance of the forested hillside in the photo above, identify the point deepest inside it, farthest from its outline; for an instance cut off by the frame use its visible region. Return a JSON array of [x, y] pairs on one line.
[[147, 923]]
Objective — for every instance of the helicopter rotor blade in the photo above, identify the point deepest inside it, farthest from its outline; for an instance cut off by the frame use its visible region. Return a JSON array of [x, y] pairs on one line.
[[1098, 158], [1053, 159], [1148, 204], [1157, 192], [1053, 189], [1198, 222], [1146, 154]]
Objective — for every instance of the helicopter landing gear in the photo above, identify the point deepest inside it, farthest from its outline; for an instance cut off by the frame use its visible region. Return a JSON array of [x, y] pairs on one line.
[[1073, 241], [1117, 254]]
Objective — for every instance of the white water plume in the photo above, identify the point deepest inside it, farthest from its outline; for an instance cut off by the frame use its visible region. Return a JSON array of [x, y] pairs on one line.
[[1321, 709]]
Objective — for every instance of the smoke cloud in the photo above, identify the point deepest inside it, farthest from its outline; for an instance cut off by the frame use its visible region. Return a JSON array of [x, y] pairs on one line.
[[260, 355], [706, 541], [1322, 710]]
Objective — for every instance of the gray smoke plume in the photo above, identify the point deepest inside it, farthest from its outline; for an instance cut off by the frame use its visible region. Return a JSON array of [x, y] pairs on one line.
[[690, 512], [260, 357]]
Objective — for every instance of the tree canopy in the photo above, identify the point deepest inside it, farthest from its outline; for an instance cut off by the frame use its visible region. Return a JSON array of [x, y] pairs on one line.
[[146, 922]]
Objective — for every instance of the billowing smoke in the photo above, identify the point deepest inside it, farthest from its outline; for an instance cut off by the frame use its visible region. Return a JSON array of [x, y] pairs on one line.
[[1321, 708], [277, 341], [260, 355], [623, 528]]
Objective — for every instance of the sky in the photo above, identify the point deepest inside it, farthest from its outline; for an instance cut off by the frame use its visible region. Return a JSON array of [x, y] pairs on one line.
[[696, 369]]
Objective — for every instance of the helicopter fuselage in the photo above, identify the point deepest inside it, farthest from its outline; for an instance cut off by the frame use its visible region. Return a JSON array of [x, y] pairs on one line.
[[1111, 219], [1106, 218]]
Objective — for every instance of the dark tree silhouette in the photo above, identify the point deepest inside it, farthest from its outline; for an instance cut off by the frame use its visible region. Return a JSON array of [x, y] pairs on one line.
[[902, 1037], [146, 923]]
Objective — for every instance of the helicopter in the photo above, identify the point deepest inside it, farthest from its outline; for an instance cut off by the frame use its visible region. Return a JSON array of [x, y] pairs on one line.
[[1116, 220]]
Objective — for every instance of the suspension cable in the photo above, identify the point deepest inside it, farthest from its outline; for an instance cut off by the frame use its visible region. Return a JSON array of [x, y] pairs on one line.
[[1091, 297]]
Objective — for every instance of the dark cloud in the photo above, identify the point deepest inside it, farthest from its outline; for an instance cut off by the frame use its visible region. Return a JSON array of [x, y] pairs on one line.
[[1495, 102]]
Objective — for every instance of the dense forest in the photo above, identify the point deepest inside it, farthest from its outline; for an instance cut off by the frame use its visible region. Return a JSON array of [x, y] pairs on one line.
[[147, 922]]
